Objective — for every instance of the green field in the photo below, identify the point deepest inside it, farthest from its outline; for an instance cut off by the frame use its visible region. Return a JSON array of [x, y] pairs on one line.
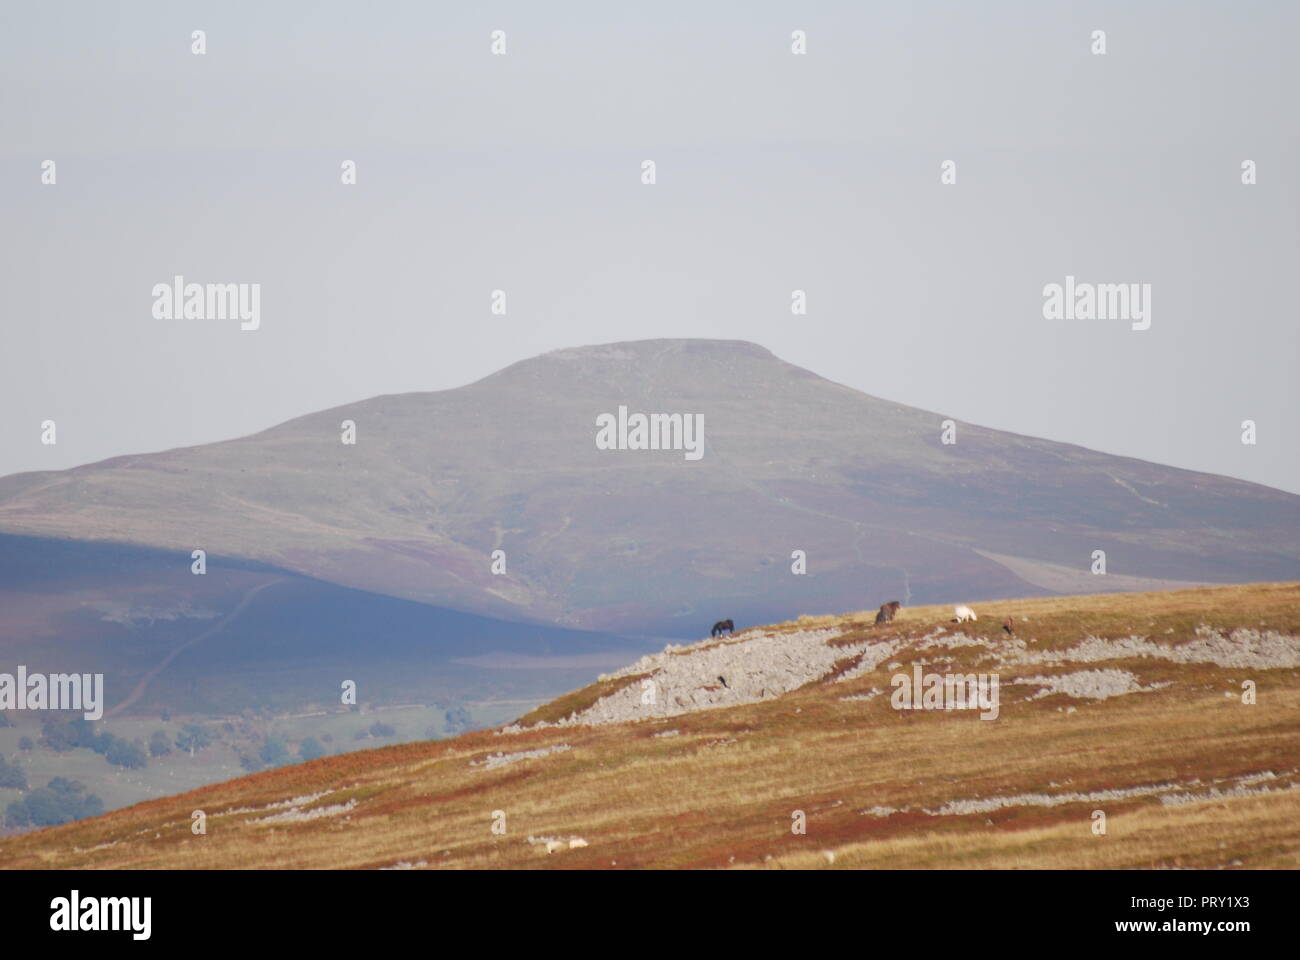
[[178, 772]]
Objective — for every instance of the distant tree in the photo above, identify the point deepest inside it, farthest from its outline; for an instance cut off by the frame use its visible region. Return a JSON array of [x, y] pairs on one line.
[[249, 761], [4, 720], [328, 738], [310, 749], [60, 801], [378, 730], [77, 732], [274, 752], [124, 753], [458, 719], [26, 743], [12, 775], [165, 716], [159, 746], [193, 737], [69, 733], [58, 735]]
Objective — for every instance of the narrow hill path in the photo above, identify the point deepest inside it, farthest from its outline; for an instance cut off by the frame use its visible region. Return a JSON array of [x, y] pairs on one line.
[[143, 684]]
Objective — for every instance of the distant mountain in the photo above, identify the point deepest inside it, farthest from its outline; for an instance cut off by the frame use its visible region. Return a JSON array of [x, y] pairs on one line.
[[650, 541]]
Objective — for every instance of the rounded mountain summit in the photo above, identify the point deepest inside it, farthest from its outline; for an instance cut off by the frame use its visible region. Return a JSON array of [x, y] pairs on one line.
[[629, 538]]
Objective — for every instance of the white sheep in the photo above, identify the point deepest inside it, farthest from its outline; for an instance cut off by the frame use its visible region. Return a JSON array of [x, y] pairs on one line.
[[964, 613]]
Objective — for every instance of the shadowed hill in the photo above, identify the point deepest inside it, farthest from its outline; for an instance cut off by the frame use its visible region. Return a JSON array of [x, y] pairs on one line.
[[246, 636]]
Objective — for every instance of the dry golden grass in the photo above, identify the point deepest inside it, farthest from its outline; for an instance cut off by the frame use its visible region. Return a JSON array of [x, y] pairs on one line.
[[722, 791], [1202, 835]]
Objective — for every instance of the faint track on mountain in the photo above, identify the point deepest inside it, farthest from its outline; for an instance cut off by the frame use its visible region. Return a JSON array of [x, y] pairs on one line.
[[138, 690]]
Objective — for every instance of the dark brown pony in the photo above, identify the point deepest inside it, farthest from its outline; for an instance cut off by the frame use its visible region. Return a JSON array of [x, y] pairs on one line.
[[888, 611], [723, 626]]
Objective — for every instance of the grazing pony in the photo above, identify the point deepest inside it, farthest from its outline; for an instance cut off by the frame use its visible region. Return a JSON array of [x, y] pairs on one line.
[[888, 611], [723, 626], [964, 613]]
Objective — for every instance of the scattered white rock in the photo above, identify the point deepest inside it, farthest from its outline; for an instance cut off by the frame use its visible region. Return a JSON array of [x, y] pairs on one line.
[[277, 805], [710, 674], [881, 812], [989, 804], [1243, 647], [298, 815], [494, 760], [874, 654], [759, 666], [1247, 786], [868, 695], [1169, 793], [1003, 647], [556, 844], [1089, 684]]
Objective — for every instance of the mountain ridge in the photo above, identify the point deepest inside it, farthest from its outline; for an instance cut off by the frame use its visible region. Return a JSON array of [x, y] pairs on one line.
[[641, 540]]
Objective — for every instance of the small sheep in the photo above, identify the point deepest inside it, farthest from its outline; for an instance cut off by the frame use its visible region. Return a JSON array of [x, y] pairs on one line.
[[964, 613]]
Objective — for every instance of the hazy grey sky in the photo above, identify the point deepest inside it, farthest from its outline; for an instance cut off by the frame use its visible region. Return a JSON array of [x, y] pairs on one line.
[[775, 172]]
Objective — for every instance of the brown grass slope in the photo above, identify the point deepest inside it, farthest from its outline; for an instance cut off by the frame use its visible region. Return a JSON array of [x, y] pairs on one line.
[[722, 790]]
